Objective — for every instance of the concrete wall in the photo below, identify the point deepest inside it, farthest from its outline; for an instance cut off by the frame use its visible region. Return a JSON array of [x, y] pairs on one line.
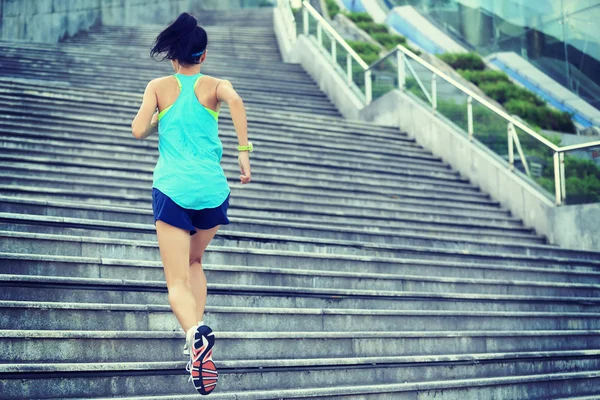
[[474, 162], [576, 227], [50, 20], [322, 71]]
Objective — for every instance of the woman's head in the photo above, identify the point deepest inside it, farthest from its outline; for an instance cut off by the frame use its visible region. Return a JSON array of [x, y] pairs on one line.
[[182, 41]]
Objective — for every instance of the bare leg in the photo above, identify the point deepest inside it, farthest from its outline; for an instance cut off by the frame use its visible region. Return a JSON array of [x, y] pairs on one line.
[[174, 244], [198, 244]]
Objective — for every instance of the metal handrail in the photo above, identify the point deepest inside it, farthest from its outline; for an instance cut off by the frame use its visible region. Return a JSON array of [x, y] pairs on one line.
[[475, 96], [580, 146], [483, 101], [324, 24]]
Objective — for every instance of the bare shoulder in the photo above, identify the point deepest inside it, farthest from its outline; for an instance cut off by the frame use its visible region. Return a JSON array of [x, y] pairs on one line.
[[159, 82], [211, 80]]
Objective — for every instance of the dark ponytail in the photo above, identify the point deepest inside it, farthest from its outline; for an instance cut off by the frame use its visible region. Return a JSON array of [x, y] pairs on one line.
[[183, 41]]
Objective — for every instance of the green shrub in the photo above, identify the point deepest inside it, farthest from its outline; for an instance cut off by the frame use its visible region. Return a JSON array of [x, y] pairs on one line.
[[503, 92], [388, 40], [372, 27], [542, 116], [470, 61], [332, 8], [363, 47], [479, 77], [583, 182], [357, 17]]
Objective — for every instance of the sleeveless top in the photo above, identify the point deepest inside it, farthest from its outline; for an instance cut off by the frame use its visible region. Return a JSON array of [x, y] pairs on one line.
[[189, 168]]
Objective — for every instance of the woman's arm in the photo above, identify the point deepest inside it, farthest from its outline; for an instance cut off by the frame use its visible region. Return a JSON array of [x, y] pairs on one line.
[[227, 94], [145, 122]]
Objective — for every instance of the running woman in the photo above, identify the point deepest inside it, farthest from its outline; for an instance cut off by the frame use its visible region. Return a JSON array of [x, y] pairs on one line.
[[190, 195]]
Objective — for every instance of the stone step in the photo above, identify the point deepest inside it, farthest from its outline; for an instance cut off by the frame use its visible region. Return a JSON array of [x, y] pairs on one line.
[[145, 231], [301, 134], [94, 178], [116, 97], [169, 378], [273, 150], [30, 66], [316, 149], [287, 283], [29, 179], [118, 161], [137, 209], [269, 296], [11, 147], [255, 104], [89, 246], [251, 221], [225, 259], [141, 213], [296, 136], [125, 317], [23, 68], [34, 229], [66, 171], [85, 81], [22, 346], [23, 74], [306, 136]]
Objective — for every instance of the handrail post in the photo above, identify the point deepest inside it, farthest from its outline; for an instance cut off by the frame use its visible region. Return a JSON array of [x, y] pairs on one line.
[[401, 60], [470, 117], [511, 150], [319, 34], [557, 181], [368, 86], [349, 68], [333, 50], [305, 20], [434, 92], [563, 182]]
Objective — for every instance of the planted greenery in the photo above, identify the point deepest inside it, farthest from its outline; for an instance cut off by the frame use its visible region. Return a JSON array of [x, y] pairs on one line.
[[468, 61], [379, 32], [333, 8], [515, 99]]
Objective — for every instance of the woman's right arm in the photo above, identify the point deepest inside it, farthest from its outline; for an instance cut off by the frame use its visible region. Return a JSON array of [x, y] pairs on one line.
[[227, 94], [146, 121]]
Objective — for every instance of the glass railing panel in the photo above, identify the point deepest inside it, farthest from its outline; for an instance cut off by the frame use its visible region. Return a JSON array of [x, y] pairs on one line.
[[582, 176], [384, 76], [539, 160], [452, 104], [418, 80]]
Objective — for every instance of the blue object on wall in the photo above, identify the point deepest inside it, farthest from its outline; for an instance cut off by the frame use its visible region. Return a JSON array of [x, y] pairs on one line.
[[413, 34], [544, 95], [354, 5]]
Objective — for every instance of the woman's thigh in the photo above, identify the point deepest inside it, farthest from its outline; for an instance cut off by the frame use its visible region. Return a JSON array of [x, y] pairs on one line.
[[174, 244], [199, 242]]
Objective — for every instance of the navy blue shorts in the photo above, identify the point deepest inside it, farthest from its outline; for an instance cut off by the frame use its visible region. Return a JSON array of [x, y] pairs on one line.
[[173, 214]]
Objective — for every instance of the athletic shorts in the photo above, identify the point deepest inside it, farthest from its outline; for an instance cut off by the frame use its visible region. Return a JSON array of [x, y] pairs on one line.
[[170, 212]]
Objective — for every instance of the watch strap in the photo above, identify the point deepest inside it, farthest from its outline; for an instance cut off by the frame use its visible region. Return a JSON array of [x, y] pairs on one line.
[[248, 148]]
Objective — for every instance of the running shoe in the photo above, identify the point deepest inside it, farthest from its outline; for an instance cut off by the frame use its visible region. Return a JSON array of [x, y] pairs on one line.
[[202, 369]]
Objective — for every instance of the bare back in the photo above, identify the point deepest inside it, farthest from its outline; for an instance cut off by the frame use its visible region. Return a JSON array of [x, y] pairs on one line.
[[167, 92]]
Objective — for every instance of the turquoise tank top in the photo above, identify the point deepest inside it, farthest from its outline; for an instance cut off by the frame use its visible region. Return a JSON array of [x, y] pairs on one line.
[[189, 163]]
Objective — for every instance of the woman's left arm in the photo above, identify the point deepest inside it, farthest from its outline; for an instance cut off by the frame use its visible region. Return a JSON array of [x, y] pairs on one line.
[[145, 122]]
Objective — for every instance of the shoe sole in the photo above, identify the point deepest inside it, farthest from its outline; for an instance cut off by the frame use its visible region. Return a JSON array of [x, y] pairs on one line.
[[204, 372]]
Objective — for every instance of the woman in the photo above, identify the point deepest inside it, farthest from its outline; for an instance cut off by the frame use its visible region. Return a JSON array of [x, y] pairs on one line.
[[190, 194]]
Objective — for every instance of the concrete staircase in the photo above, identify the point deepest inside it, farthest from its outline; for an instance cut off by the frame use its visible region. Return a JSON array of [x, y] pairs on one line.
[[357, 265]]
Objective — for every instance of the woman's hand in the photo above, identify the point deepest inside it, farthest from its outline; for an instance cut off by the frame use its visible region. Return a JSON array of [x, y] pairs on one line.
[[244, 162]]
